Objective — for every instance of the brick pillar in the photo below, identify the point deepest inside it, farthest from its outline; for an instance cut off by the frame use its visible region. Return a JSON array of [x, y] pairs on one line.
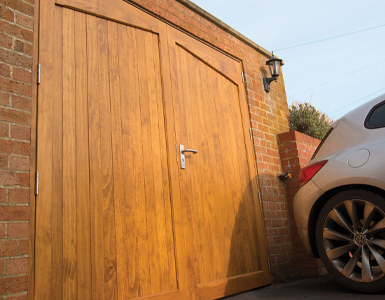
[[296, 150], [16, 61]]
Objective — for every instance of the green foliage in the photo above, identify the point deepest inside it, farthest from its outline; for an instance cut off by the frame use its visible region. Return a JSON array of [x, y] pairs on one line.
[[306, 119]]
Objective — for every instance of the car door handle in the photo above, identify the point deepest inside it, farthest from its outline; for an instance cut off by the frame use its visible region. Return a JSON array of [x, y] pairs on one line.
[[182, 150]]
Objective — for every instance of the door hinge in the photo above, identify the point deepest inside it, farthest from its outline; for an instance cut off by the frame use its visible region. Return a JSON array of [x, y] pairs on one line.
[[37, 183], [259, 196], [251, 133], [268, 263], [38, 73], [243, 77]]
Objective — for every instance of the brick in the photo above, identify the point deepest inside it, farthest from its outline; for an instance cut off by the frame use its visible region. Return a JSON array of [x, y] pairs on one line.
[[18, 230], [17, 266], [2, 263], [19, 163], [23, 47], [3, 195], [23, 7], [12, 86], [3, 161], [22, 75], [20, 132], [2, 234], [24, 21], [15, 147], [6, 14], [16, 31], [14, 213], [18, 196], [13, 247], [9, 178], [15, 59], [23, 296], [5, 70], [13, 284], [22, 103], [4, 97]]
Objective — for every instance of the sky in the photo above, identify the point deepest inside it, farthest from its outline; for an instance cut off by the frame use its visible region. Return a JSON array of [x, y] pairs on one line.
[[336, 75]]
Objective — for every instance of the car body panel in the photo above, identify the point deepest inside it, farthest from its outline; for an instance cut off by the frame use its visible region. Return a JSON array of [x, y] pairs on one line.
[[349, 137], [302, 211]]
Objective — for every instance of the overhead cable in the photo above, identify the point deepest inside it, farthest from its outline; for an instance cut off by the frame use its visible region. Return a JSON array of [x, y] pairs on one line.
[[356, 101], [339, 77], [330, 38]]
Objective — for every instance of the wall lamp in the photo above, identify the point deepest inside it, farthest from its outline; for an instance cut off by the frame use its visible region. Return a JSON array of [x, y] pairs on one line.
[[274, 66]]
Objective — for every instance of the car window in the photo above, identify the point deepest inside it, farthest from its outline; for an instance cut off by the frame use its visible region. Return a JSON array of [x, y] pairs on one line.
[[376, 117]]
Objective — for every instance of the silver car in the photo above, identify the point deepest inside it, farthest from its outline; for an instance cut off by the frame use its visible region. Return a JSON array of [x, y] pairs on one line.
[[340, 207]]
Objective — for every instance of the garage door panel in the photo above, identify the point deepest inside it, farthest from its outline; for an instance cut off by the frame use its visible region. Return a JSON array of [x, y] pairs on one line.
[[203, 102], [111, 209], [115, 10], [218, 202]]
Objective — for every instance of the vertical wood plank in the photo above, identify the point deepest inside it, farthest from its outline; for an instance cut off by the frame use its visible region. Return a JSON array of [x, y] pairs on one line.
[[57, 160], [43, 246], [185, 246], [248, 238], [146, 87], [82, 160], [69, 163], [231, 168], [159, 167], [213, 169], [187, 196], [123, 252], [96, 192], [110, 284], [170, 97], [130, 244], [167, 236]]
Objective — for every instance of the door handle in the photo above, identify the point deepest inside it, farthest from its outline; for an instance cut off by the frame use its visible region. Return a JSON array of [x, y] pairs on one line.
[[182, 150]]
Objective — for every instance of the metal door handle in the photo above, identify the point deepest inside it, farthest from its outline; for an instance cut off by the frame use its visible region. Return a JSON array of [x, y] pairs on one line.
[[182, 150], [190, 150]]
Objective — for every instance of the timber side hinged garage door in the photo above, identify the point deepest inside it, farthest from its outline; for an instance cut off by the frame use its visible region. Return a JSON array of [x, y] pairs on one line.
[[117, 217]]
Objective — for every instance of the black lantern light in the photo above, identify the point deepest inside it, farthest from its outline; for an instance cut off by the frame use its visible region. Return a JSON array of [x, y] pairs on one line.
[[274, 66]]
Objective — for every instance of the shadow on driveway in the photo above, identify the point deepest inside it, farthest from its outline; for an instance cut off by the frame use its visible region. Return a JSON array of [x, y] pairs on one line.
[[323, 287]]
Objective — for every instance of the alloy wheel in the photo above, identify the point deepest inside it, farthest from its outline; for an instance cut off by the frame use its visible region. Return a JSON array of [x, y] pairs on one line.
[[354, 240]]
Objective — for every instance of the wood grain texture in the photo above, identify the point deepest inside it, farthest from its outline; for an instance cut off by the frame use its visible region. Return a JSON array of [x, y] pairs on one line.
[[96, 188], [209, 116], [33, 164], [43, 245], [115, 10], [69, 164], [82, 160], [117, 218], [57, 163]]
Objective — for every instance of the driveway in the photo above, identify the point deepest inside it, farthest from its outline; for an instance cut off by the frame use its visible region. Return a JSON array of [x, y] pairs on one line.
[[323, 287]]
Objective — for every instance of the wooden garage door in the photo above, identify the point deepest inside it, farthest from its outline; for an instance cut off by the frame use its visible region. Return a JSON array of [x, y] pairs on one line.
[[223, 221], [116, 216]]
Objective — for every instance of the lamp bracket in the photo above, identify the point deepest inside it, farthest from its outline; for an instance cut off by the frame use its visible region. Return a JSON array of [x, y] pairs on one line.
[[267, 81]]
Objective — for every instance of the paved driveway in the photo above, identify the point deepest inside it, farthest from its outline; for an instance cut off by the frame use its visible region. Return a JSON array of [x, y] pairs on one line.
[[323, 287]]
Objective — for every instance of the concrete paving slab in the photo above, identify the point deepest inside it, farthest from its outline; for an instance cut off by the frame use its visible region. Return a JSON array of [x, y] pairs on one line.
[[323, 287]]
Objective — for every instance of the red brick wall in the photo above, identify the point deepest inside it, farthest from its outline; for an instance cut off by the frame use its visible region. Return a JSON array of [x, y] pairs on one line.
[[268, 112], [296, 150], [16, 50]]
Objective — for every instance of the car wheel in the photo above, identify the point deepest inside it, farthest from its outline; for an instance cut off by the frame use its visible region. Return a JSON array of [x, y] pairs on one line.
[[350, 236]]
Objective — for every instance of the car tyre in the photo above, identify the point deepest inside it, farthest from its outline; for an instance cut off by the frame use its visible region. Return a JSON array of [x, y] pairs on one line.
[[350, 236]]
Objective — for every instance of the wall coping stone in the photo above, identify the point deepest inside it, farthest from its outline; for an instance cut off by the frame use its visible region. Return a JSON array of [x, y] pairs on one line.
[[225, 27]]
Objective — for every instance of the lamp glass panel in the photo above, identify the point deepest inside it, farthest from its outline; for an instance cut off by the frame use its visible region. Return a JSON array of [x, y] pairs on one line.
[[275, 70]]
